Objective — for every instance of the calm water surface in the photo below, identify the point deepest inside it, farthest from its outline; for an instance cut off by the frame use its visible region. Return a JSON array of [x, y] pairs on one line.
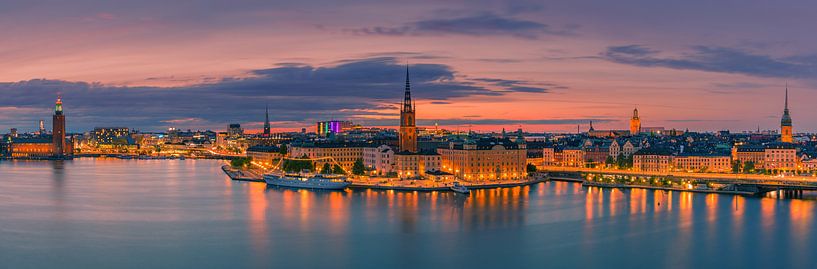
[[109, 213]]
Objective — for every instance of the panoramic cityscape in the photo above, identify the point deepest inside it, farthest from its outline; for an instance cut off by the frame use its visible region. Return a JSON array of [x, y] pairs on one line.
[[518, 134]]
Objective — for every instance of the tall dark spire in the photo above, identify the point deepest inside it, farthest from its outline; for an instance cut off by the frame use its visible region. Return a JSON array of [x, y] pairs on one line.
[[266, 121], [786, 107], [786, 120], [407, 105]]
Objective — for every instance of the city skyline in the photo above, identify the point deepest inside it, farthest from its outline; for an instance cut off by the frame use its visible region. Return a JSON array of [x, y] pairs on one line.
[[558, 66]]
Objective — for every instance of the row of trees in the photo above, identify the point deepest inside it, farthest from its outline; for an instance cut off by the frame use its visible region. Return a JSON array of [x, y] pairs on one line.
[[241, 162], [620, 162]]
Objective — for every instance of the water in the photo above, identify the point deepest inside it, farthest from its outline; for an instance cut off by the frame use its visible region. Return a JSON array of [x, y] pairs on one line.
[[110, 213]]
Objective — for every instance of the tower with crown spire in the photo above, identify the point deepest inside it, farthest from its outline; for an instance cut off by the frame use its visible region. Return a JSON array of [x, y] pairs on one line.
[[785, 121], [408, 129], [59, 146], [266, 122], [635, 123]]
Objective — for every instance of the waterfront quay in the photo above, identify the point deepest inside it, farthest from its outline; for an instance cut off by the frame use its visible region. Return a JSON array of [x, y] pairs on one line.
[[384, 183], [743, 184]]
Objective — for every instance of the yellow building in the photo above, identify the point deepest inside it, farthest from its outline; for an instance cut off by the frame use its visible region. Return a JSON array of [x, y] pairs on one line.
[[485, 159], [652, 160], [635, 123], [754, 154], [698, 163], [343, 154], [785, 122], [416, 165], [781, 156]]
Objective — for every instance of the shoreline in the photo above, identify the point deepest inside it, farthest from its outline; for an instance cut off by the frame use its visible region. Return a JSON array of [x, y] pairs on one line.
[[242, 175], [646, 187]]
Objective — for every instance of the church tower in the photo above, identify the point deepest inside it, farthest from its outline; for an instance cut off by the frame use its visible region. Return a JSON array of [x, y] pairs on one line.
[[635, 123], [408, 129], [266, 123], [58, 130], [785, 122]]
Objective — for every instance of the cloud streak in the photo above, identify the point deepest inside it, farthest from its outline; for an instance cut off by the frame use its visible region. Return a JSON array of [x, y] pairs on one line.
[[482, 24], [717, 59]]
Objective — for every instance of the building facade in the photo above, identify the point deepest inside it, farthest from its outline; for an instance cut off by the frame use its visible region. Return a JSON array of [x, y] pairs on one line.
[[635, 123], [785, 122], [485, 159]]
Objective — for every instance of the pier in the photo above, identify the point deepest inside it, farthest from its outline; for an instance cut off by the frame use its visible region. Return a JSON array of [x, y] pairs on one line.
[[743, 184]]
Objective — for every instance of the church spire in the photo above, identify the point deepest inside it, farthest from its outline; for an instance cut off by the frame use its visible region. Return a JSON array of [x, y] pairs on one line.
[[407, 104], [786, 107], [266, 121]]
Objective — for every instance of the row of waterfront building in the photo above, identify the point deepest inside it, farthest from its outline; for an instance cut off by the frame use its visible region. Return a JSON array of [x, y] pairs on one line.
[[410, 152]]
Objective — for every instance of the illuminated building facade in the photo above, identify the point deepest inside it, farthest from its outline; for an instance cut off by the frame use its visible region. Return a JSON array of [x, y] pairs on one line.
[[235, 130], [780, 156], [343, 154], [58, 131], [110, 135], [635, 123], [699, 163], [408, 128], [785, 122], [379, 159], [264, 155], [325, 128], [652, 160], [485, 159], [745, 154]]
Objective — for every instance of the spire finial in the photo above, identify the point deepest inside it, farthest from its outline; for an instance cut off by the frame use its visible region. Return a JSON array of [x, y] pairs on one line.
[[407, 104], [787, 96]]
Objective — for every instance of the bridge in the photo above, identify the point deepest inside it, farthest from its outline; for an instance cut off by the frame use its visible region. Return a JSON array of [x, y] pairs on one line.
[[789, 185]]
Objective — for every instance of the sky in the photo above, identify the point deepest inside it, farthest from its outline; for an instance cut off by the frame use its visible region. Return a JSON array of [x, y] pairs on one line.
[[483, 65]]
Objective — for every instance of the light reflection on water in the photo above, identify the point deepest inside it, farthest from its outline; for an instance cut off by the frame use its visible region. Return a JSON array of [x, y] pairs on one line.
[[98, 213]]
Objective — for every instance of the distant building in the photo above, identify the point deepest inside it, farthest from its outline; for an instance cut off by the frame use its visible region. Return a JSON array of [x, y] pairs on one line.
[[635, 123], [325, 128], [235, 130], [57, 145], [110, 135], [61, 148], [785, 122], [265, 155], [266, 123]]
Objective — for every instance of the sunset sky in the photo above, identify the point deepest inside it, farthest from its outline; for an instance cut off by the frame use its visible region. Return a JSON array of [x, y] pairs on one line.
[[541, 65]]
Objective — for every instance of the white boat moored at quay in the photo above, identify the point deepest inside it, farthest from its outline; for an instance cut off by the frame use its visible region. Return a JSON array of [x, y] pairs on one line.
[[317, 181]]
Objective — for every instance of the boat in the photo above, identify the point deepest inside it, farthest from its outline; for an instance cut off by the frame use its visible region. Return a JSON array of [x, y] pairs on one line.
[[460, 188], [318, 181]]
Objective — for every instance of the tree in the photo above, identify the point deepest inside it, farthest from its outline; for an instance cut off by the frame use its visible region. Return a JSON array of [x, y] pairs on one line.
[[531, 168], [749, 167], [240, 162], [358, 168], [736, 167], [338, 170], [291, 165], [610, 160], [327, 169], [283, 149]]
